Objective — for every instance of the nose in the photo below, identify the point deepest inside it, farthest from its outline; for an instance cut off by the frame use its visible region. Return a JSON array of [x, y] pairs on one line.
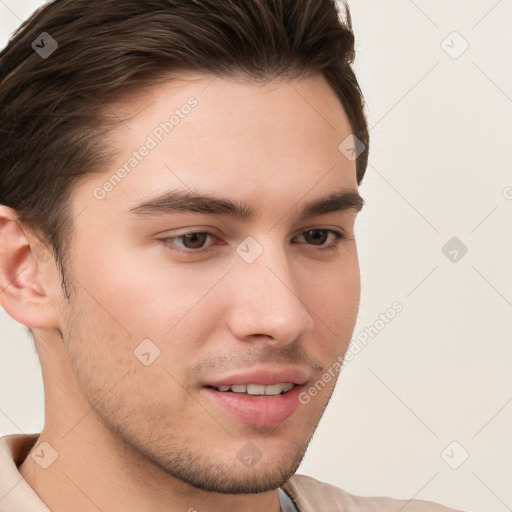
[[266, 301]]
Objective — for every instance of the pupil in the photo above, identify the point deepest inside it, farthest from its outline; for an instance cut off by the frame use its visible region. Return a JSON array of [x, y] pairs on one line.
[[194, 237], [316, 239]]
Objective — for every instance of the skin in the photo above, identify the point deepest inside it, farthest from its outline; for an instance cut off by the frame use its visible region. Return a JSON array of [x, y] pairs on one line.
[[132, 437]]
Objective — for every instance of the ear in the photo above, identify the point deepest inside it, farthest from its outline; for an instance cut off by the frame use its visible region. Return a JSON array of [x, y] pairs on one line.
[[29, 279]]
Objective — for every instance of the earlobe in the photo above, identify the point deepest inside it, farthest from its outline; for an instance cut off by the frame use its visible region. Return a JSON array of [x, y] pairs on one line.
[[26, 291]]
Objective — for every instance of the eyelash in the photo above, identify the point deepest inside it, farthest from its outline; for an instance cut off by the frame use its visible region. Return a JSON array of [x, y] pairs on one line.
[[338, 238]]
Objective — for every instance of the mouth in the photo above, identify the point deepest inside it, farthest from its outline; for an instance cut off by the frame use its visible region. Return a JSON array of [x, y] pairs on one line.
[[261, 398], [256, 389]]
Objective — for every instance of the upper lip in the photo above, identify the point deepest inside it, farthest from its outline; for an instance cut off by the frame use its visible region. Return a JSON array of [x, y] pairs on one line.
[[262, 376]]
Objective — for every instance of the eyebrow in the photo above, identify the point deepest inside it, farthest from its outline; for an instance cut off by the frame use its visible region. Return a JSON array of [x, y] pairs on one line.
[[177, 201]]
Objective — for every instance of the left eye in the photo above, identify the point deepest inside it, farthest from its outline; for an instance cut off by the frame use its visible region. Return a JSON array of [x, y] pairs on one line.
[[324, 233], [194, 243]]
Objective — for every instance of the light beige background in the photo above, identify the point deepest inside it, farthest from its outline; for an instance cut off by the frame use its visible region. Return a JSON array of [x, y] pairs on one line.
[[440, 167]]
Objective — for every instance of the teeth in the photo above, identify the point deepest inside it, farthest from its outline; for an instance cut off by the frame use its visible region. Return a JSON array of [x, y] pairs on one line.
[[255, 389], [258, 389], [276, 389]]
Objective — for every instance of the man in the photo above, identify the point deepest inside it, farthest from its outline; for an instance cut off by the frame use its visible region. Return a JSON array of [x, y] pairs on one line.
[[178, 375]]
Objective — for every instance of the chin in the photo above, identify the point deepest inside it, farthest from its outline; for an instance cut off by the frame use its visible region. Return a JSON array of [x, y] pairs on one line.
[[247, 481], [247, 471]]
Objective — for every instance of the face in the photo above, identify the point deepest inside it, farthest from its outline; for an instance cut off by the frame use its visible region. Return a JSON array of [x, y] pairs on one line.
[[175, 299]]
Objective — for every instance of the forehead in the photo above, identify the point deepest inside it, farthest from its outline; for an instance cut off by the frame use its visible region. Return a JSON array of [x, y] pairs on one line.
[[244, 139]]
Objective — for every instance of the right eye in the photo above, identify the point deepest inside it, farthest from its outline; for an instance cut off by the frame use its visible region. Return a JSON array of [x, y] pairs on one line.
[[193, 242]]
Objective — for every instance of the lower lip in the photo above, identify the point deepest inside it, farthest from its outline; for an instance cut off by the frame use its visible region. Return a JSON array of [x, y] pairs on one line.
[[257, 410]]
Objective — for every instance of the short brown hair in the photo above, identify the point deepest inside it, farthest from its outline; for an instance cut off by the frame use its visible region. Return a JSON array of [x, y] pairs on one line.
[[52, 109]]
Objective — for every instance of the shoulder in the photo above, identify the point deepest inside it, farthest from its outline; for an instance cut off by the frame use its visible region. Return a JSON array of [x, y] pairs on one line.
[[311, 495], [15, 492]]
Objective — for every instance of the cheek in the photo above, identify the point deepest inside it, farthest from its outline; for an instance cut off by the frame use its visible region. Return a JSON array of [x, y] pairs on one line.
[[118, 371], [336, 293], [334, 305], [146, 295]]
